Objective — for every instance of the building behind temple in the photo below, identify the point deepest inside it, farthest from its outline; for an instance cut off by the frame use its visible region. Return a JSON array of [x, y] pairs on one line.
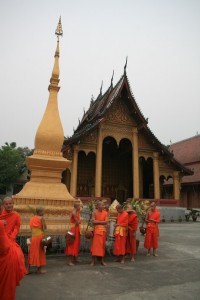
[[188, 152], [115, 155]]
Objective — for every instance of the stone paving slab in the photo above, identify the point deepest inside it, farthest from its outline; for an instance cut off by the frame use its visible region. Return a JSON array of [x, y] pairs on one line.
[[175, 274]]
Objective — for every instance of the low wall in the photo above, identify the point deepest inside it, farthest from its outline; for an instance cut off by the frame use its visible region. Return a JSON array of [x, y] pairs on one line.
[[172, 213]]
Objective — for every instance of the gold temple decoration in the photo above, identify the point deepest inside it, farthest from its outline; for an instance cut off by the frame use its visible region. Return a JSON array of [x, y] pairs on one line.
[[47, 165], [59, 30]]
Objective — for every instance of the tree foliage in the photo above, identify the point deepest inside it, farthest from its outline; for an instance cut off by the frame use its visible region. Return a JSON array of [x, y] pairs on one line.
[[12, 163]]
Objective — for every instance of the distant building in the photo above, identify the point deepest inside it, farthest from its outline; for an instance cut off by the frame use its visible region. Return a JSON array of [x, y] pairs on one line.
[[188, 153], [115, 155]]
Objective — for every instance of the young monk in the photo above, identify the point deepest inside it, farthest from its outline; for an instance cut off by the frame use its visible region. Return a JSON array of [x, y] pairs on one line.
[[99, 219], [132, 228], [151, 239], [12, 222], [120, 234], [37, 255], [72, 249]]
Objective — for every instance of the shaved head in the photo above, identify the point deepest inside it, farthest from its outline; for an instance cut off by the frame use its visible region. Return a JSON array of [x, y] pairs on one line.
[[8, 204]]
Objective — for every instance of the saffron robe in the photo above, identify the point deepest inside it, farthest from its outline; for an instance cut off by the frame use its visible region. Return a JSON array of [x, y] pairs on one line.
[[13, 221], [120, 234], [36, 255], [99, 239], [73, 249], [10, 270], [151, 238], [132, 228], [12, 228]]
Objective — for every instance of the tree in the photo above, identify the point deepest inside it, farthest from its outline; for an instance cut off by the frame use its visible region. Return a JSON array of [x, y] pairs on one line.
[[12, 164]]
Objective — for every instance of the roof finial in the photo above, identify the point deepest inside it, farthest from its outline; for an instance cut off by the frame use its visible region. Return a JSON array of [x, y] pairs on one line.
[[125, 65], [111, 83], [101, 88], [59, 30]]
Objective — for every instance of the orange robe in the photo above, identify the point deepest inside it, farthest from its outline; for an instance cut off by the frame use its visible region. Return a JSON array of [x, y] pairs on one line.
[[120, 234], [151, 238], [99, 239], [13, 221], [132, 228], [10, 269], [12, 228], [36, 255], [73, 249]]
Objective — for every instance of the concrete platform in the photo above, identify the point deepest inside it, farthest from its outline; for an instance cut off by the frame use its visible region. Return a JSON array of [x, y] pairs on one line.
[[175, 274]]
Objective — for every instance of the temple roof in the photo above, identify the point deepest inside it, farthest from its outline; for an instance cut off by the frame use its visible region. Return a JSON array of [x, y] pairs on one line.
[[99, 107], [188, 152]]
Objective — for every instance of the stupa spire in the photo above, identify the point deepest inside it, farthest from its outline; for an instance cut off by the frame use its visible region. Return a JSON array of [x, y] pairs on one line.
[[49, 137]]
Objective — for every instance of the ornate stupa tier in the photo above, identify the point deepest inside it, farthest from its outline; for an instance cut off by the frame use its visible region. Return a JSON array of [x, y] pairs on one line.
[[47, 164]]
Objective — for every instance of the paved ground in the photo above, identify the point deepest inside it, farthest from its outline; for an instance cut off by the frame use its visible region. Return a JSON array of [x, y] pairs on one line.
[[175, 274]]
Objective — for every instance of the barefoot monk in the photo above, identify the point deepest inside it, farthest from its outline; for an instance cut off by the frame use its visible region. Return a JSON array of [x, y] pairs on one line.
[[100, 220], [151, 238]]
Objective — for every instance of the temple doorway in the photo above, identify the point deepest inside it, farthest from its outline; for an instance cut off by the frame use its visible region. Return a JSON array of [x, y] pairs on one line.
[[146, 169], [117, 169], [86, 174]]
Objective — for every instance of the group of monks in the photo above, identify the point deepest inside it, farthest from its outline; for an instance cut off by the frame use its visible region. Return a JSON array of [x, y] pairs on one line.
[[12, 262], [125, 230]]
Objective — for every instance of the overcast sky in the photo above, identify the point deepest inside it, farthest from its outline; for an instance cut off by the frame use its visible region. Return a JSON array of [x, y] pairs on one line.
[[161, 39]]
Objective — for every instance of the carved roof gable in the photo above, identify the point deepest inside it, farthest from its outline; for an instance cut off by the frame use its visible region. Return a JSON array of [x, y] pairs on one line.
[[119, 113]]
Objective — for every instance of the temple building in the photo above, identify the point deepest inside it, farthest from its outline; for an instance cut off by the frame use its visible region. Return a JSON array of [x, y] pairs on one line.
[[188, 152], [115, 155]]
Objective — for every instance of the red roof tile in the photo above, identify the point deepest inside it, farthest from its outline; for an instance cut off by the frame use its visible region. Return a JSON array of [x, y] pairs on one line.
[[187, 151]]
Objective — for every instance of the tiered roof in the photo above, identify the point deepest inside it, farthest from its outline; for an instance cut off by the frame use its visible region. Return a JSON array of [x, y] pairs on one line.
[[99, 107]]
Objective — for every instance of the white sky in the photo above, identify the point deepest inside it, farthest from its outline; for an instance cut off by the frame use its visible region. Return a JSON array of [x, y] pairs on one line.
[[161, 39]]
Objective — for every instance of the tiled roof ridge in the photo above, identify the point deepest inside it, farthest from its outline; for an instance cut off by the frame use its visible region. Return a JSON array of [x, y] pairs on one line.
[[187, 139]]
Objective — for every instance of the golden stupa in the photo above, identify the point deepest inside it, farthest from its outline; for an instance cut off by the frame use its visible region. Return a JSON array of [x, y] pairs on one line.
[[46, 165]]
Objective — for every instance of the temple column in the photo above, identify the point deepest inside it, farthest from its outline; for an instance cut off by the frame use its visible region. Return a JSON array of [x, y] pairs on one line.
[[140, 178], [156, 176], [98, 175], [73, 186], [135, 164], [176, 180]]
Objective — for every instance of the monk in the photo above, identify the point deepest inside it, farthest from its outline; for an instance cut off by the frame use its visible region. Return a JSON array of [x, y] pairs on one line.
[[37, 255], [132, 228], [72, 249], [120, 233], [9, 267], [151, 239], [12, 267], [99, 219], [12, 219]]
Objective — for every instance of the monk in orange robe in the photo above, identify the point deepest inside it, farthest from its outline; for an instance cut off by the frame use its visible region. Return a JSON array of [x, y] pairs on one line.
[[72, 249], [151, 238], [99, 219], [37, 255], [12, 267], [120, 234], [132, 228], [12, 219]]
